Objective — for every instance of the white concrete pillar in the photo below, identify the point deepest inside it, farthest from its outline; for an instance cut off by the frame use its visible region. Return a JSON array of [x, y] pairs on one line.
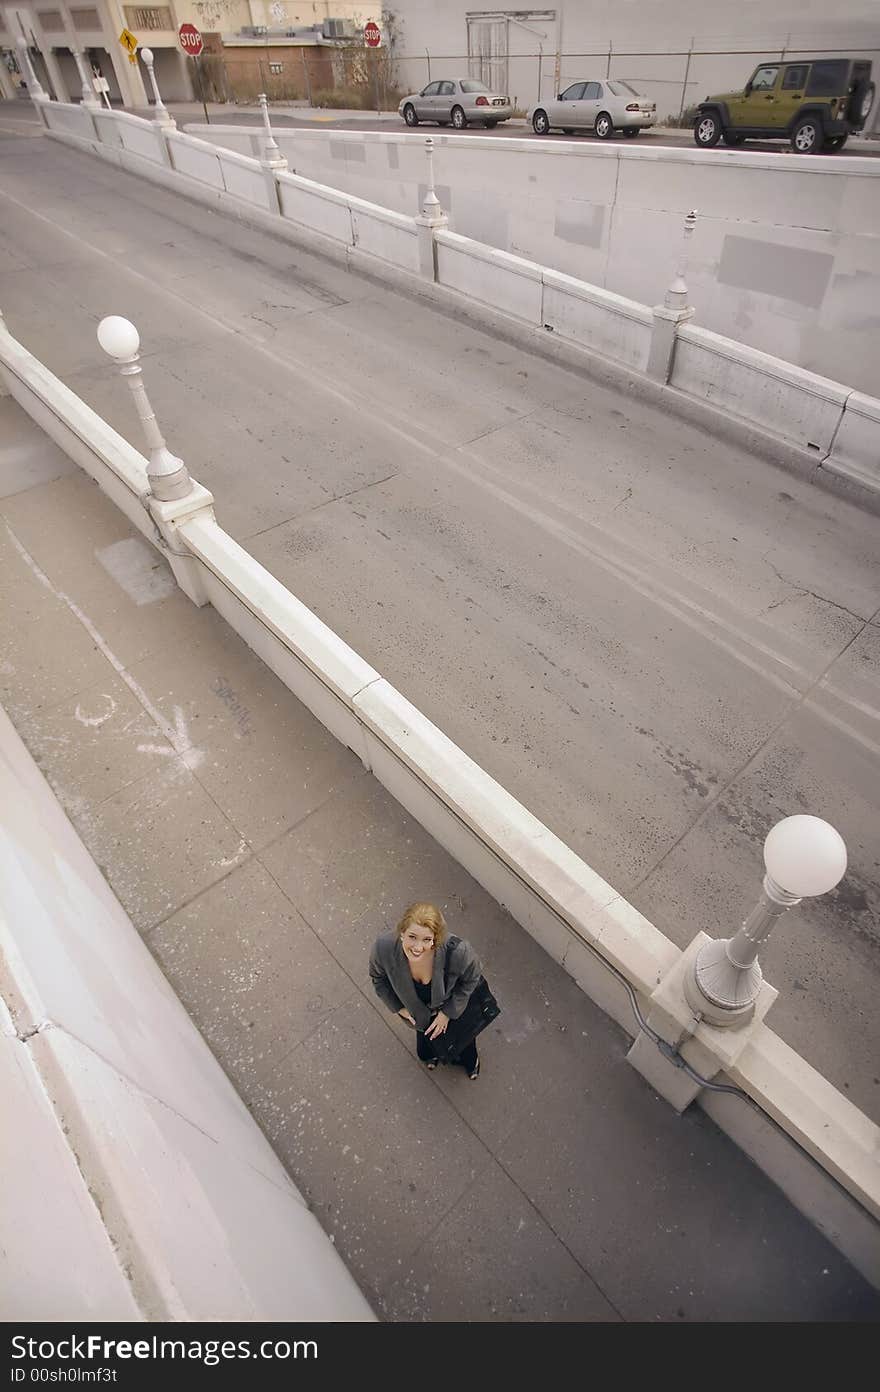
[[53, 68], [128, 75], [687, 1037], [89, 96], [271, 154], [7, 87], [169, 517], [429, 220], [129, 79], [161, 115], [32, 82], [674, 311]]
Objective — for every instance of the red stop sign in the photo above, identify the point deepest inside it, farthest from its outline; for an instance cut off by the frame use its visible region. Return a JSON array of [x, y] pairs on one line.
[[190, 40], [372, 34]]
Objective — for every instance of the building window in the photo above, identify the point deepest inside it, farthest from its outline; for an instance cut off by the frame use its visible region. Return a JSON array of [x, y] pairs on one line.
[[51, 20], [149, 17], [276, 68], [85, 19]]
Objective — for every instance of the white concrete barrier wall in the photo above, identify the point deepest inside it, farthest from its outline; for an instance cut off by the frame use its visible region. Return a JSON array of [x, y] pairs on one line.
[[600, 321], [491, 277], [122, 131], [318, 208], [389, 236], [303, 652], [196, 158], [68, 119], [107, 126], [244, 179], [197, 1212], [856, 452], [772, 396], [575, 915], [785, 400], [784, 258]]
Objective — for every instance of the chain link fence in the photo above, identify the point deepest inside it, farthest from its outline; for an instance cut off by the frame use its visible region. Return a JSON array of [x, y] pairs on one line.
[[674, 78], [352, 77]]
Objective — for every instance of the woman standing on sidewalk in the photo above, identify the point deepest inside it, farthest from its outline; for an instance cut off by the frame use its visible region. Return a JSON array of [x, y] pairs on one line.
[[426, 978]]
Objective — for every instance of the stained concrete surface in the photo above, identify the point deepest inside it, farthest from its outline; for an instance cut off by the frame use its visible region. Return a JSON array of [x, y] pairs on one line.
[[658, 642], [556, 1187]]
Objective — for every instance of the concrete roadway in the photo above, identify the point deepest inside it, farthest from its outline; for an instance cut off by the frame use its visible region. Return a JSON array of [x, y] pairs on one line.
[[187, 113], [659, 643], [518, 129]]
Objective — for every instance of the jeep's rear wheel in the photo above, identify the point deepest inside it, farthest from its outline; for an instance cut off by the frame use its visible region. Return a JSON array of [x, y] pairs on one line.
[[858, 107], [835, 142], [807, 137], [707, 131]]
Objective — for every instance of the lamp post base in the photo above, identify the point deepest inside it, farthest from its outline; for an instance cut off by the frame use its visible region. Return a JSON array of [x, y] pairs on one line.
[[721, 993]]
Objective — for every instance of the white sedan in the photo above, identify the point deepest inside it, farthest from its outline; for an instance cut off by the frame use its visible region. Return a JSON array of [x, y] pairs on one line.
[[456, 101], [604, 107]]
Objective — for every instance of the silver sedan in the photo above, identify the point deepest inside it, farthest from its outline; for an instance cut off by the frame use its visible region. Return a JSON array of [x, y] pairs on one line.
[[604, 107], [456, 102]]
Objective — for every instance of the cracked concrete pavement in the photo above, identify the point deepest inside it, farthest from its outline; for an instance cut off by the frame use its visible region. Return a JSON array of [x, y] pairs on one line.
[[258, 859], [660, 643]]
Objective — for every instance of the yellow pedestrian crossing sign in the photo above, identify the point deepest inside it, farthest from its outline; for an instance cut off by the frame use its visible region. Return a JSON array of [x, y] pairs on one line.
[[128, 40]]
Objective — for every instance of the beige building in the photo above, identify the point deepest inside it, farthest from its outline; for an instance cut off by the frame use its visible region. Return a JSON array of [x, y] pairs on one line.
[[56, 30]]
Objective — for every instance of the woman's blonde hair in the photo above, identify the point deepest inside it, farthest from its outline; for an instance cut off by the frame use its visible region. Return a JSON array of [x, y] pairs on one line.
[[426, 916]]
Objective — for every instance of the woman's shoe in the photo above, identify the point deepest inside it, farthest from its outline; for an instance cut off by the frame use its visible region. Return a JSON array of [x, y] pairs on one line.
[[476, 1073], [431, 1064]]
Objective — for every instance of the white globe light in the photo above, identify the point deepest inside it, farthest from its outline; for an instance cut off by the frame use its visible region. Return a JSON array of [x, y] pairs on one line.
[[118, 337], [147, 55], [805, 856]]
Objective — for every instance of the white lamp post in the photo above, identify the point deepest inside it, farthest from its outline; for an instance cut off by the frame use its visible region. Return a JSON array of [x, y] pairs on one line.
[[32, 82], [431, 209], [804, 857], [677, 295], [166, 474], [162, 115], [89, 95], [272, 155]]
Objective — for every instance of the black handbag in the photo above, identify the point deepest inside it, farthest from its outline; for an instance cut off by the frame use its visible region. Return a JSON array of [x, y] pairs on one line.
[[481, 1009]]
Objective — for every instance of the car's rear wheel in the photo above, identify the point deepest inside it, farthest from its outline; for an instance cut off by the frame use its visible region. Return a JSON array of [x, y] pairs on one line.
[[604, 126], [733, 139], [835, 142], [459, 120], [807, 137], [631, 131], [707, 130], [540, 123], [409, 115]]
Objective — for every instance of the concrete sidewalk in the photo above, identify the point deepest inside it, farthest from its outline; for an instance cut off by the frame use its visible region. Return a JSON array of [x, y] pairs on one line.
[[258, 860]]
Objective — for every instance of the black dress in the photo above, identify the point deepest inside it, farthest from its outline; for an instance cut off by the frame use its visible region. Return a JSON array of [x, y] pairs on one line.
[[425, 1046]]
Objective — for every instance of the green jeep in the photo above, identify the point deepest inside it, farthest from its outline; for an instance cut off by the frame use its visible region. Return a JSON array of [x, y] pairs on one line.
[[814, 105]]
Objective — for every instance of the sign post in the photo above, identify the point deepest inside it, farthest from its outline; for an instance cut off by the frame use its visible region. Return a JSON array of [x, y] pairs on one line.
[[101, 85], [191, 42], [373, 39]]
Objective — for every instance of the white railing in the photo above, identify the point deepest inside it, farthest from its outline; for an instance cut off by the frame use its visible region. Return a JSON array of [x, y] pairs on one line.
[[733, 384]]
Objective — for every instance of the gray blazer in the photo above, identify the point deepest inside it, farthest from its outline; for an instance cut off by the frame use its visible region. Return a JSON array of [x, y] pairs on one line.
[[394, 985]]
